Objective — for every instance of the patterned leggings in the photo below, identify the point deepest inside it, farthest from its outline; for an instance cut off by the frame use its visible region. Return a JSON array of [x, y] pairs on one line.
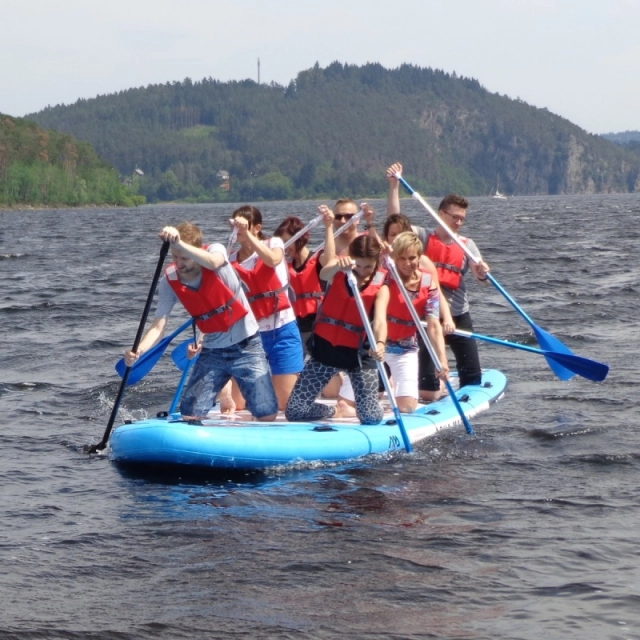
[[302, 406]]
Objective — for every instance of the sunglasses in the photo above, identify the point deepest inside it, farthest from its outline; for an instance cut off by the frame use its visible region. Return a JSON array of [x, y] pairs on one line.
[[344, 216]]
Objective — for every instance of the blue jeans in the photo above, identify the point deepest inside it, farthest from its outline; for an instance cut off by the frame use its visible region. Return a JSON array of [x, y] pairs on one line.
[[244, 361]]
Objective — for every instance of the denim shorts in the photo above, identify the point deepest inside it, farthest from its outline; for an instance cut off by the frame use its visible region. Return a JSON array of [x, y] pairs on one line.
[[284, 349], [244, 361]]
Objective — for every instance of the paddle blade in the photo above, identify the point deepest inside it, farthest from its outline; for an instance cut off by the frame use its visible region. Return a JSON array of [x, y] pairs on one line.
[[142, 366], [548, 342], [589, 369], [179, 355]]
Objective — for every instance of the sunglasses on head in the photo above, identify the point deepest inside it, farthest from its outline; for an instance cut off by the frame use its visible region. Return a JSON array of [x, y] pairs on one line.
[[344, 216]]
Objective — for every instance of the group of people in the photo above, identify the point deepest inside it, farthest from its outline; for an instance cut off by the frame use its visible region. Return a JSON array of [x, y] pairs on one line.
[[280, 325]]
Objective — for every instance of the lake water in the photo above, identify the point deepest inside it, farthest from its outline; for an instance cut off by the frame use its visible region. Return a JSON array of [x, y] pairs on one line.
[[530, 529]]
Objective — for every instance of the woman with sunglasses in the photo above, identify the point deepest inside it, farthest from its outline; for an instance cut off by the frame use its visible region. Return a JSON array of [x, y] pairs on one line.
[[339, 339]]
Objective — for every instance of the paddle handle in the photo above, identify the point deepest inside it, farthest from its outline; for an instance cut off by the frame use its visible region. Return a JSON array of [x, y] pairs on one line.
[[353, 283], [164, 249]]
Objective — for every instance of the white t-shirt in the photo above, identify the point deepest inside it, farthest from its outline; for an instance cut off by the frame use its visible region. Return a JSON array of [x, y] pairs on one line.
[[283, 316]]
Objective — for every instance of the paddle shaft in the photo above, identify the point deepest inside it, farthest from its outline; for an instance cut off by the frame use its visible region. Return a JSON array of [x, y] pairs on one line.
[[232, 240], [545, 339], [506, 343], [183, 380], [381, 370], [302, 231], [356, 218], [116, 405], [589, 369], [427, 343], [429, 209]]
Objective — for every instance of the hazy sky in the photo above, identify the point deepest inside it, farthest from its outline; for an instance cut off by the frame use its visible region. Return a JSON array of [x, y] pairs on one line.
[[578, 58]]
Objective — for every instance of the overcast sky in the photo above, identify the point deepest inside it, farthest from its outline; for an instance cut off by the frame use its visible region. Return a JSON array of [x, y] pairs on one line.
[[578, 58]]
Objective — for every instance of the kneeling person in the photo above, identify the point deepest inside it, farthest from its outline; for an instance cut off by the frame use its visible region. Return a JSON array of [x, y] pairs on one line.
[[209, 289], [338, 341]]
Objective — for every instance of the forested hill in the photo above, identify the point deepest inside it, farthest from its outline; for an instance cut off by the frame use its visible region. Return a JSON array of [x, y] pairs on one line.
[[333, 131], [39, 167], [630, 140]]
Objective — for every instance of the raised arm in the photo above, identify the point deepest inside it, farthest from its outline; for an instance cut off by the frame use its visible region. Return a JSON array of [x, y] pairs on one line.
[[205, 259], [329, 252], [271, 257], [393, 198]]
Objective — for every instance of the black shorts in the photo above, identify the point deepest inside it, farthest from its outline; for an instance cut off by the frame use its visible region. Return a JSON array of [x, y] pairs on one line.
[[465, 351]]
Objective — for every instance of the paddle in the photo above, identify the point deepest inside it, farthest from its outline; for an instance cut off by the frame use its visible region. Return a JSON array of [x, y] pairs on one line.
[[179, 354], [353, 283], [147, 360], [547, 341], [116, 405], [590, 369], [233, 236], [343, 228], [391, 265], [302, 231], [183, 380]]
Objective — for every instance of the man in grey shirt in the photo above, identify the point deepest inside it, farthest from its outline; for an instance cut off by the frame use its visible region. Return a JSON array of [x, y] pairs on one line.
[[209, 289]]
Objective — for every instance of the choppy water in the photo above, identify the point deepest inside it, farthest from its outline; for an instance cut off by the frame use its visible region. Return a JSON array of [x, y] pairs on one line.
[[530, 529]]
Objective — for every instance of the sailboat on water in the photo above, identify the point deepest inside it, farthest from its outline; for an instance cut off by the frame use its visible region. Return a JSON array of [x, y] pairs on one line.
[[497, 195]]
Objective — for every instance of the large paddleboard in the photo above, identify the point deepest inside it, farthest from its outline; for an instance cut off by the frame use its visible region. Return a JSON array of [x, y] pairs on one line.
[[221, 442]]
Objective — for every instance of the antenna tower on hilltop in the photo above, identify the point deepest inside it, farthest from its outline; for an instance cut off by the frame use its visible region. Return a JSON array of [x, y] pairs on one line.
[[258, 70]]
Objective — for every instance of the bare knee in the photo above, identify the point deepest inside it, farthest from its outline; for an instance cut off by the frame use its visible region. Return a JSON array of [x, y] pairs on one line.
[[430, 396], [407, 404]]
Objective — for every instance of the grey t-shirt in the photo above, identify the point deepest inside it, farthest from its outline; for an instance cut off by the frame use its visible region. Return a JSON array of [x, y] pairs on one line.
[[457, 298], [244, 328]]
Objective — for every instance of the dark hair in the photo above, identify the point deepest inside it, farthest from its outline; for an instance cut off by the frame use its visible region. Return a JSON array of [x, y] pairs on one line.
[[292, 225], [454, 199], [365, 247], [252, 215], [396, 218]]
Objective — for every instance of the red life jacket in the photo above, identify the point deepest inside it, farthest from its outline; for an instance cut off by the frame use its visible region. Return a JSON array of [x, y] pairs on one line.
[[307, 286], [266, 294], [400, 324], [448, 258], [338, 319], [214, 306]]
